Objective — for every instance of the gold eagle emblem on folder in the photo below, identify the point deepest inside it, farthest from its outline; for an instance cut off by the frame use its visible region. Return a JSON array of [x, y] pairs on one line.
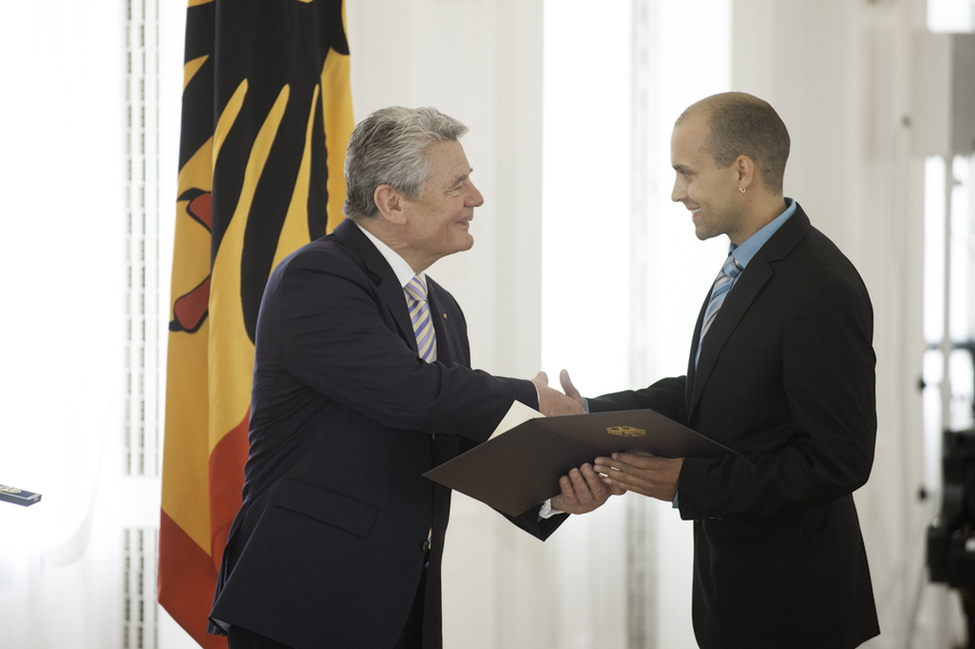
[[626, 431]]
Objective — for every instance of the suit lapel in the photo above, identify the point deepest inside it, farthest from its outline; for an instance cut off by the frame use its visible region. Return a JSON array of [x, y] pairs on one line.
[[381, 274], [758, 272], [438, 315], [741, 296]]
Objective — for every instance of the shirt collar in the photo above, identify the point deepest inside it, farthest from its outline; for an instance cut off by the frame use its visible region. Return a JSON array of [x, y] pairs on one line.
[[744, 253], [404, 273]]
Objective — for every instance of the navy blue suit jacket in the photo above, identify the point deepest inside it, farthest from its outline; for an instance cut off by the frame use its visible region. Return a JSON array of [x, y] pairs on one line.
[[785, 377], [328, 547]]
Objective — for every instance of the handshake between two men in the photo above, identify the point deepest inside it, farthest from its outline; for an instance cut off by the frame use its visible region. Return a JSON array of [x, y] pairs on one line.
[[587, 487]]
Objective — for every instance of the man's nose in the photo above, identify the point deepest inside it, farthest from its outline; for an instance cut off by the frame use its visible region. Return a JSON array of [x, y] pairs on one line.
[[678, 194], [474, 197]]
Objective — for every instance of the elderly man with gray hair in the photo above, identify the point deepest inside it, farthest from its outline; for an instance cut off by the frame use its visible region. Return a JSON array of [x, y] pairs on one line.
[[362, 382]]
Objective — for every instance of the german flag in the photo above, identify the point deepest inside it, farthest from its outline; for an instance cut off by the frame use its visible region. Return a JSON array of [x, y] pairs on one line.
[[267, 114]]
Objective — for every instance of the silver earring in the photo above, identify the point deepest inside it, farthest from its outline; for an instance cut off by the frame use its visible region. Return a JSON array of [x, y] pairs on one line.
[[741, 189]]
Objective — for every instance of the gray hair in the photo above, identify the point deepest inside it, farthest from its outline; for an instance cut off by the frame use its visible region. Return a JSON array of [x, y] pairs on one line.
[[742, 124], [389, 148]]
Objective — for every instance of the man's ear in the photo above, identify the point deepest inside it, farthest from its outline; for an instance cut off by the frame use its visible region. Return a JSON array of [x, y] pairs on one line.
[[747, 173], [389, 202]]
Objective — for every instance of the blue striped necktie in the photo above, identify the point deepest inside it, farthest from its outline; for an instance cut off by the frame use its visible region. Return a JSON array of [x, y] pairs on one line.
[[426, 338], [722, 284]]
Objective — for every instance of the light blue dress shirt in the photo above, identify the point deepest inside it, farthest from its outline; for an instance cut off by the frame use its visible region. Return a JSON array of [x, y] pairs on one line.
[[744, 253]]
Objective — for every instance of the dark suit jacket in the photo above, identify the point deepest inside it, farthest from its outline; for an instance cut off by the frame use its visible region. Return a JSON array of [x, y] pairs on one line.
[[328, 547], [785, 377]]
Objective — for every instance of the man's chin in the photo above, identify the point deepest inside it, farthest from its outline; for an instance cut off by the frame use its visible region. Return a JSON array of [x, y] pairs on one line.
[[462, 245], [703, 234]]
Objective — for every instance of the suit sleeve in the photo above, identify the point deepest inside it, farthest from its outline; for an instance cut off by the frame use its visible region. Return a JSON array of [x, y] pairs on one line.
[[666, 396], [541, 528], [338, 337], [823, 445]]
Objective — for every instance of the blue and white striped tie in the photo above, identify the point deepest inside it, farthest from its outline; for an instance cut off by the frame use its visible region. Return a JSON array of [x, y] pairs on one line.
[[722, 284], [426, 338]]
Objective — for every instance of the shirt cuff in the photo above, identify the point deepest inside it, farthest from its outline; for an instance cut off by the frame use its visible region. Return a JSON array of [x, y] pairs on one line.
[[547, 511]]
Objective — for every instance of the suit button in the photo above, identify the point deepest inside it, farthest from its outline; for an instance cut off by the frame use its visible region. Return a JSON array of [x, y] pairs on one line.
[[426, 546]]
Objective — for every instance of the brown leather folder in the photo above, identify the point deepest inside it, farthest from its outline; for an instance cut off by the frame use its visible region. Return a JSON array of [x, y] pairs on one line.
[[520, 468]]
